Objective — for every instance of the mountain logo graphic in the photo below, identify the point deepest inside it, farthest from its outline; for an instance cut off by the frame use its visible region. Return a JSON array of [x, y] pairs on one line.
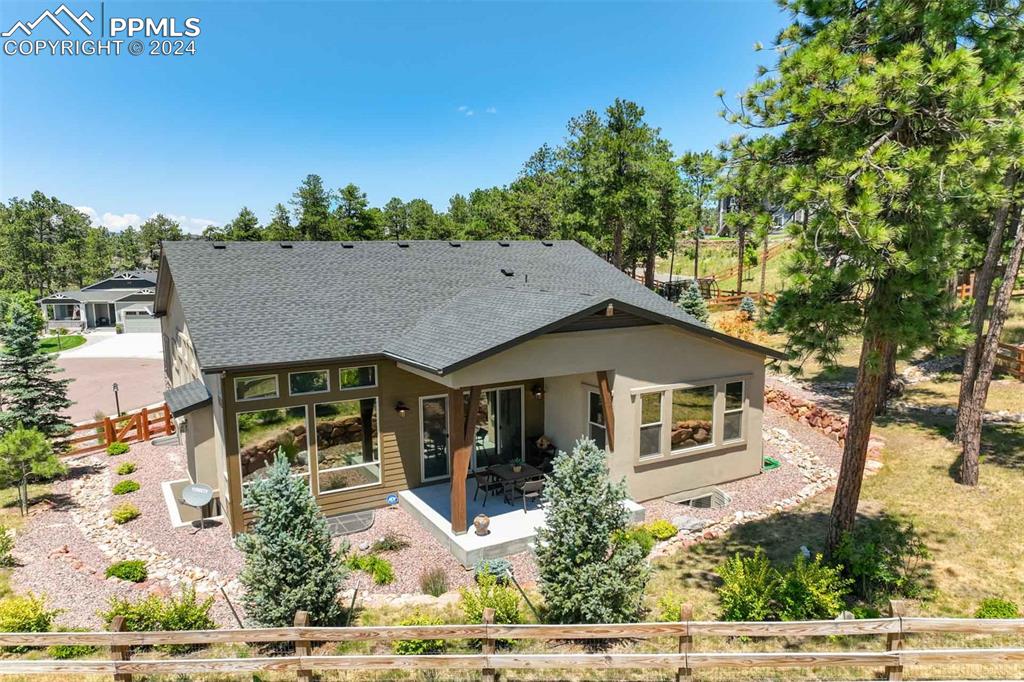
[[27, 28]]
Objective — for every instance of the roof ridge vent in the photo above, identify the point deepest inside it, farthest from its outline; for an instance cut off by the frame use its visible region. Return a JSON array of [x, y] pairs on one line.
[[502, 243], [347, 245], [455, 244], [403, 245], [286, 245], [508, 272], [220, 245], [545, 242]]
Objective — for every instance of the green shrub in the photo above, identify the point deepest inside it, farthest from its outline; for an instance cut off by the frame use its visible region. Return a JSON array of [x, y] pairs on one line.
[[997, 608], [123, 513], [377, 567], [419, 647], [811, 590], [635, 535], [586, 576], [184, 612], [117, 448], [389, 542], [661, 529], [126, 486], [63, 652], [6, 546], [500, 568], [434, 582], [885, 558], [25, 613], [749, 587], [126, 468], [489, 593], [133, 570]]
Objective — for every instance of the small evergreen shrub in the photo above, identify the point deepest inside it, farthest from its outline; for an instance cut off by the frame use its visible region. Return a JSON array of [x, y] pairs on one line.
[[885, 558], [389, 542], [811, 590], [63, 652], [126, 486], [419, 647], [635, 535], [691, 301], [123, 513], [25, 613], [434, 582], [377, 567], [133, 570], [117, 448], [748, 309], [6, 546], [125, 468], [997, 608], [489, 593], [184, 612], [661, 529], [749, 587], [500, 568]]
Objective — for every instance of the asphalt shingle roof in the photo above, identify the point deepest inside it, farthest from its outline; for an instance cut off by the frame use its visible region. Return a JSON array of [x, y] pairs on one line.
[[429, 303], [187, 397]]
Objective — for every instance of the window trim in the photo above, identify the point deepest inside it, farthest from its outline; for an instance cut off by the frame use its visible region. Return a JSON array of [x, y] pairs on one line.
[[742, 410], [277, 388], [380, 450], [238, 448], [660, 424], [376, 378], [522, 416], [588, 390], [713, 443], [291, 393], [448, 439]]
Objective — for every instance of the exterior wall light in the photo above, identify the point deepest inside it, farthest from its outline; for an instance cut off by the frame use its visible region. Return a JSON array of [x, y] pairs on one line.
[[401, 408], [538, 391]]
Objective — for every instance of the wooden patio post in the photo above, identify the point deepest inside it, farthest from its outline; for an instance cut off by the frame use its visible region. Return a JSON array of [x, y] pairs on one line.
[[606, 407], [119, 652], [460, 437]]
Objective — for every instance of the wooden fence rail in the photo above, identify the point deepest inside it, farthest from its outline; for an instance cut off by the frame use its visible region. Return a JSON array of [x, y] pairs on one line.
[[684, 661], [1010, 359], [131, 427]]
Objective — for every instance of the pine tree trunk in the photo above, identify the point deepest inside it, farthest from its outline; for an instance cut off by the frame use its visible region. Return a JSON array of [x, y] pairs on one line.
[[764, 272], [883, 386], [652, 255], [974, 414], [696, 257], [617, 247], [855, 450], [982, 289], [23, 495], [741, 245]]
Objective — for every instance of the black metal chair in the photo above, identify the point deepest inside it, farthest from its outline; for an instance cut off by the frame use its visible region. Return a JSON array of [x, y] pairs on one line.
[[532, 489], [489, 483]]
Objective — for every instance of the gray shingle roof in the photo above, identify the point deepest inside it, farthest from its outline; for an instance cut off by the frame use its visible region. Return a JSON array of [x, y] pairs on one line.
[[429, 303], [187, 397]]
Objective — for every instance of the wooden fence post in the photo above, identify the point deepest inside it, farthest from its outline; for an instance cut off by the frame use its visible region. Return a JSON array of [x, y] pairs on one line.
[[685, 674], [108, 430], [168, 429], [119, 652], [894, 640], [488, 646], [144, 423], [302, 646]]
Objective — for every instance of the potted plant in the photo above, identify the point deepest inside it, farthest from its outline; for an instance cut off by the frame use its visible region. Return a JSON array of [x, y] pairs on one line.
[[517, 464]]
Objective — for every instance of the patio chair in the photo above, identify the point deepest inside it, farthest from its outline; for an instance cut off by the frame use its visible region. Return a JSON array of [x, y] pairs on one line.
[[531, 490], [487, 482]]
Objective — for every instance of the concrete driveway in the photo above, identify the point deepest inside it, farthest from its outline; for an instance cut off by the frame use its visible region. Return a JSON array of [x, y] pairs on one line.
[[132, 361]]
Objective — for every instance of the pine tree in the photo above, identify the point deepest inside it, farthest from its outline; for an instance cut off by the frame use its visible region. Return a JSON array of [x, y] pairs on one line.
[[23, 453], [290, 564], [691, 301], [31, 395], [588, 572], [748, 308], [312, 202]]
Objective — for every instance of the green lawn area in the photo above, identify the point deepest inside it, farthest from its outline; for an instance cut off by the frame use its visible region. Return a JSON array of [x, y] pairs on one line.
[[49, 344]]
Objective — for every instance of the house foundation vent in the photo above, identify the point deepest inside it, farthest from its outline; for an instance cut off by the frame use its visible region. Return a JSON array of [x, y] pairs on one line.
[[702, 498]]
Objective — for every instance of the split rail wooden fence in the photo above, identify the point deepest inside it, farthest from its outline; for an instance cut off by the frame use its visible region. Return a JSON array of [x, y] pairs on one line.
[[1010, 359], [684, 658], [131, 427]]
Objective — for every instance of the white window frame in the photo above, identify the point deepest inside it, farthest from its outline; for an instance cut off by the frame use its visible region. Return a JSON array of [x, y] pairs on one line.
[[309, 371], [742, 410], [660, 424], [380, 451], [522, 417], [586, 415], [714, 401], [376, 378], [238, 447], [277, 388], [448, 439]]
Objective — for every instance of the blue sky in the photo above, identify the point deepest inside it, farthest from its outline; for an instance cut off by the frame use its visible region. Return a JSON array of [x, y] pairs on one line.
[[410, 100]]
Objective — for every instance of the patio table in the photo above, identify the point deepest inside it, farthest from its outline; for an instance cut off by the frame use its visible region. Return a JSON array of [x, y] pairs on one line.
[[509, 477]]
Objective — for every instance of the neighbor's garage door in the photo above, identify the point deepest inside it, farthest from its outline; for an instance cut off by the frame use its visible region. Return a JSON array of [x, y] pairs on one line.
[[140, 323]]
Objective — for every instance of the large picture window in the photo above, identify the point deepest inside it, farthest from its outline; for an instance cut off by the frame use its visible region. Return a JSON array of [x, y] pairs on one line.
[[732, 423], [256, 388], [263, 433], [693, 411], [347, 446], [357, 377], [650, 424]]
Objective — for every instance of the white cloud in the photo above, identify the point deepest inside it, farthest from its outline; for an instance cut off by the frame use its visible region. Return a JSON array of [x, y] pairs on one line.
[[466, 111], [119, 221], [492, 110], [89, 211], [193, 225]]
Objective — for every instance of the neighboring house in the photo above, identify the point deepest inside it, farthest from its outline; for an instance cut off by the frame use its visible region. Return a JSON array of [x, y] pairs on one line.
[[359, 359], [125, 299]]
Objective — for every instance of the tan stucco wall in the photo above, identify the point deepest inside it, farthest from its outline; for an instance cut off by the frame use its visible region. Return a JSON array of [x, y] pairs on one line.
[[637, 358]]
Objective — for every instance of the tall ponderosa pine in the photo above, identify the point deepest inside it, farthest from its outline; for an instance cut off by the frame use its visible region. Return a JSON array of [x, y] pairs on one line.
[[312, 204], [290, 564], [588, 573], [31, 393], [884, 114]]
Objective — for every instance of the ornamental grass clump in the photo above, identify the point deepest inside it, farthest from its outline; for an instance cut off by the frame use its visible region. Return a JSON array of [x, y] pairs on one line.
[[123, 513], [290, 563], [132, 570], [126, 486], [117, 448], [586, 575]]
